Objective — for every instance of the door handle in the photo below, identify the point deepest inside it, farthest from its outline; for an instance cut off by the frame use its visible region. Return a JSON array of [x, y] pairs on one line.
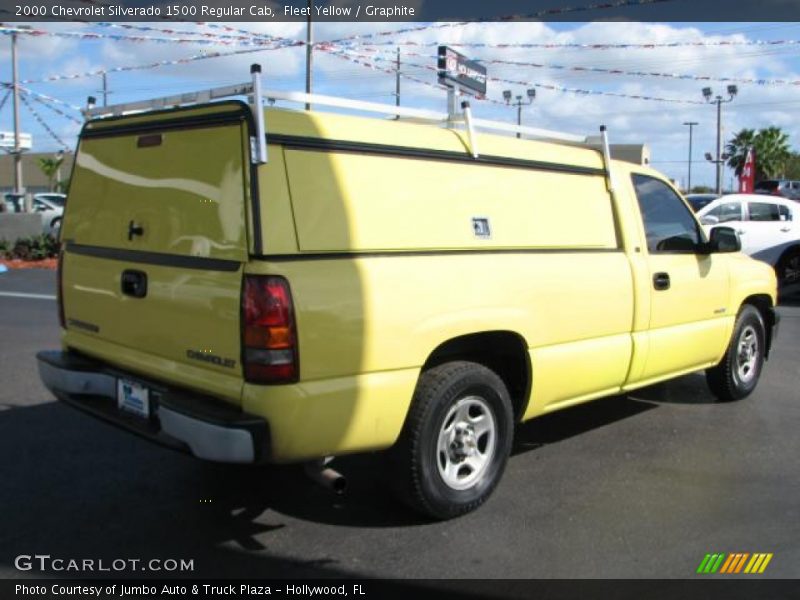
[[741, 231], [786, 229], [134, 283], [661, 281]]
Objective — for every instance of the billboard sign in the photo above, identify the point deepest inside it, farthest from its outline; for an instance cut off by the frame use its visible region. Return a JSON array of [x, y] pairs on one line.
[[7, 140], [456, 70]]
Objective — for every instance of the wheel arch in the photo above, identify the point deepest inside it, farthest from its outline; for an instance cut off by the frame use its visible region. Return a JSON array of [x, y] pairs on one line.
[[763, 303], [504, 352]]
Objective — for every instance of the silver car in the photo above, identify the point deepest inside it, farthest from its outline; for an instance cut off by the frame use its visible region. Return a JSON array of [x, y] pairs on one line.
[[785, 188]]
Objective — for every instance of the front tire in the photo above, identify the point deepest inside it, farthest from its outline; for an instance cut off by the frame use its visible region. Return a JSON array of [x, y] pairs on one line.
[[736, 376], [456, 440]]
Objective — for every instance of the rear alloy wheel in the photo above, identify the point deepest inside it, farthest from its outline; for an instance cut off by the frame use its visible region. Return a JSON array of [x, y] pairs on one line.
[[456, 440], [736, 376]]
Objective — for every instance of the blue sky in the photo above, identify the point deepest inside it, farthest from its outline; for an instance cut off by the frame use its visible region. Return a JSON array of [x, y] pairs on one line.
[[658, 124]]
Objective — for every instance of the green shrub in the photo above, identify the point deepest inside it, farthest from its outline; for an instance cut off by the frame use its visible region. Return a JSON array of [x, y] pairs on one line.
[[34, 248], [5, 249]]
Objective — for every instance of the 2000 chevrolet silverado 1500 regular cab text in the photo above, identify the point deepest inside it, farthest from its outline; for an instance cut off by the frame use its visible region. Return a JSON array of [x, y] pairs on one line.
[[351, 284]]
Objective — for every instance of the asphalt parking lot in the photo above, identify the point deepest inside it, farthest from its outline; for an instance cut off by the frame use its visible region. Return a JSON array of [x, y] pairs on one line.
[[636, 486]]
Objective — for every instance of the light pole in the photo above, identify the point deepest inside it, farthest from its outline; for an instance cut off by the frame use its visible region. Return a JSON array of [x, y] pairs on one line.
[[18, 184], [507, 95], [691, 125], [309, 51], [708, 95]]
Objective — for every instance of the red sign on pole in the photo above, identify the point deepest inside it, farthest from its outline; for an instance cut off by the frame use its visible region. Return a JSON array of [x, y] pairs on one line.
[[747, 178]]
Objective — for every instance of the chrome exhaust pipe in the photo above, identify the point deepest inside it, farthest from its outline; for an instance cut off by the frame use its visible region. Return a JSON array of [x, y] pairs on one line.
[[325, 476]]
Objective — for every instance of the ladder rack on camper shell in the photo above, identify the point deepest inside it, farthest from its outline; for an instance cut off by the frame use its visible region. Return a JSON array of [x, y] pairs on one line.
[[256, 95]]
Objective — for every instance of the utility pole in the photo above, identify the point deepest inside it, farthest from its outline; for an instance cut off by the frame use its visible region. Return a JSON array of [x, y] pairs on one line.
[[691, 125], [18, 187], [105, 89], [397, 82], [309, 51], [719, 144]]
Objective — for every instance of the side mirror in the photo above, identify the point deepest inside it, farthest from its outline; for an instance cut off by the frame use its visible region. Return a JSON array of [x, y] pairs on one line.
[[709, 220], [724, 239]]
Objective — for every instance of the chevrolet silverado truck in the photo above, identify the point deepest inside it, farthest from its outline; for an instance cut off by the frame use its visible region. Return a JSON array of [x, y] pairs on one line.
[[262, 285]]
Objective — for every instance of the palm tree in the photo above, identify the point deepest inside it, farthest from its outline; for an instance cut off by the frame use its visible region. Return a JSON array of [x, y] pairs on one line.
[[771, 147], [50, 167], [736, 149]]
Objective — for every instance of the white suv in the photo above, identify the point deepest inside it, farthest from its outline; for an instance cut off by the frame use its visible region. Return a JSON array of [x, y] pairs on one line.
[[769, 228]]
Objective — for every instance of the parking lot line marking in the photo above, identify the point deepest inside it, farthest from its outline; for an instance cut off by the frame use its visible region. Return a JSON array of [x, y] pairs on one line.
[[23, 295]]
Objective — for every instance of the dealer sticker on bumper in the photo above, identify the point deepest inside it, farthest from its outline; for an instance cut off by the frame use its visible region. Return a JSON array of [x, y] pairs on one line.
[[133, 397]]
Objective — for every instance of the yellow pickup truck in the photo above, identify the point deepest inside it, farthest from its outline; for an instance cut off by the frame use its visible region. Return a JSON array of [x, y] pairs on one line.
[[271, 285]]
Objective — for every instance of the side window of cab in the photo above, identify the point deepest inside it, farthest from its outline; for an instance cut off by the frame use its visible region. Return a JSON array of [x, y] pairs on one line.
[[668, 223]]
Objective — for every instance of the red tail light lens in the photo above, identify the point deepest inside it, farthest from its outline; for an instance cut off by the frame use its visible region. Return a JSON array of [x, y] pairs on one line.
[[269, 333]]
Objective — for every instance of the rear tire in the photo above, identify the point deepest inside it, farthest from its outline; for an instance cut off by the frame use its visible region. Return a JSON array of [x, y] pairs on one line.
[[736, 376], [788, 268], [455, 442]]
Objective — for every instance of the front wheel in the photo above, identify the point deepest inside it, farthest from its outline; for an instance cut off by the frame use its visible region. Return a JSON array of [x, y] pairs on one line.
[[456, 440], [736, 376]]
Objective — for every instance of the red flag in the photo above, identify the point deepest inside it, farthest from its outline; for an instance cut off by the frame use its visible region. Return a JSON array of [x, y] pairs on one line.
[[747, 178]]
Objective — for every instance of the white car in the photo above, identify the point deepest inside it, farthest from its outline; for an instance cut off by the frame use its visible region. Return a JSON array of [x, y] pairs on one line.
[[769, 228], [50, 205]]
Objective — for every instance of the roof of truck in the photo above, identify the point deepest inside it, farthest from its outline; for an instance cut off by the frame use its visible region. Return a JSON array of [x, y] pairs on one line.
[[369, 130], [391, 132]]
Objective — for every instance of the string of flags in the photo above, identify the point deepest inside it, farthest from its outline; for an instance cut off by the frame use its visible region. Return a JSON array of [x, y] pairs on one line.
[[42, 122], [551, 87], [576, 46], [550, 12], [152, 65], [358, 50], [91, 35], [682, 76], [231, 32], [51, 103], [581, 69]]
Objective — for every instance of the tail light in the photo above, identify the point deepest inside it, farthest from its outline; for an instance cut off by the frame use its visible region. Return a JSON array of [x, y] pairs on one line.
[[269, 332], [60, 286]]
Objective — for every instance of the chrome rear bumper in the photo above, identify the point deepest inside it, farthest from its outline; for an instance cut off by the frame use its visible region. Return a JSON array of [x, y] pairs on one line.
[[204, 427]]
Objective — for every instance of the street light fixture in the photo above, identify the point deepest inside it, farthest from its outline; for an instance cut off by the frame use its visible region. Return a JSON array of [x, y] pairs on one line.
[[708, 94], [531, 95]]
